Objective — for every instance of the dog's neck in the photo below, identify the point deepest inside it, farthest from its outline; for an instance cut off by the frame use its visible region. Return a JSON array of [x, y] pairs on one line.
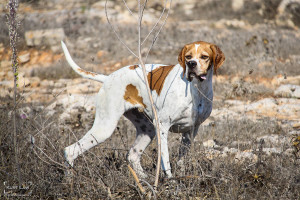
[[203, 89], [202, 98]]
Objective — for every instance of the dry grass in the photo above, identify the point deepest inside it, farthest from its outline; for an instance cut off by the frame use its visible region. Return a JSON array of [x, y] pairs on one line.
[[102, 172]]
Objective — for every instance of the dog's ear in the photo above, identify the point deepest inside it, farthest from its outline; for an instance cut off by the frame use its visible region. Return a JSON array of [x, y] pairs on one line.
[[218, 57], [181, 59]]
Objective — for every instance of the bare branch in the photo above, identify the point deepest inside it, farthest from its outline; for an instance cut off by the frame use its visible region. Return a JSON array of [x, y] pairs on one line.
[[162, 13], [141, 9], [136, 179], [114, 30], [156, 36], [128, 8], [149, 94]]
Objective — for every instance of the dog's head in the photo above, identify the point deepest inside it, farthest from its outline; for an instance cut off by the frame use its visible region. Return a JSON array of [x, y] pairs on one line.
[[199, 57]]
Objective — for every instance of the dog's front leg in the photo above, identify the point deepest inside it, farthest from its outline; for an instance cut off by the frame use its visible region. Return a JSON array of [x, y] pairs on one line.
[[185, 145], [165, 162]]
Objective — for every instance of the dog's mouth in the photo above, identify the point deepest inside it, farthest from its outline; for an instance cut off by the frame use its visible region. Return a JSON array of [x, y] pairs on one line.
[[192, 75]]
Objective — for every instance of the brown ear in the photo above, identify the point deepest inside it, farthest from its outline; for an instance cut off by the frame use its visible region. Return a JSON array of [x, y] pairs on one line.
[[181, 59], [218, 57]]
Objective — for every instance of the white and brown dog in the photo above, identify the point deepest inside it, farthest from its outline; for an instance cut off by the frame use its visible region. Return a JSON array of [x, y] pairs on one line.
[[182, 95]]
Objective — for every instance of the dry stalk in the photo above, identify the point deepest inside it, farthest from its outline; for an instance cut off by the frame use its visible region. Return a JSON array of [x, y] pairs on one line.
[[149, 94], [136, 179], [141, 9]]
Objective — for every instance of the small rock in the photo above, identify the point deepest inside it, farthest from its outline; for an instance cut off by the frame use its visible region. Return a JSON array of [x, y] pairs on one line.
[[100, 5], [47, 37], [210, 144], [271, 140], [296, 125], [234, 102], [265, 64], [280, 80], [230, 151], [263, 104], [24, 57], [35, 82], [247, 154], [270, 151], [289, 91], [237, 5], [101, 53]]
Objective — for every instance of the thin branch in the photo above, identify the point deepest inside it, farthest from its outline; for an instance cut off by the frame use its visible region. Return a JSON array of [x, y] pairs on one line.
[[141, 9], [114, 30], [150, 97], [136, 179], [156, 36], [162, 13], [128, 8]]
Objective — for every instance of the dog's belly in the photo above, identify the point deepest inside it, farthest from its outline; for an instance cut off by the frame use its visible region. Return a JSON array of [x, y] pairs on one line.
[[180, 128], [184, 123]]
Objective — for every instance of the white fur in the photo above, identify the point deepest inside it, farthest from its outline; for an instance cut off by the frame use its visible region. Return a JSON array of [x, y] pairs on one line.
[[182, 106], [98, 77], [196, 47]]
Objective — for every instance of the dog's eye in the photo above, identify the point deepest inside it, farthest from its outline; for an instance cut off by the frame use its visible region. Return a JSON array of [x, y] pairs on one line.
[[204, 57], [188, 57]]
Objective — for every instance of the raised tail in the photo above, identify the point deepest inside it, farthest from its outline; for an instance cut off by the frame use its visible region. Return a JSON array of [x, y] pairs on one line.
[[86, 74]]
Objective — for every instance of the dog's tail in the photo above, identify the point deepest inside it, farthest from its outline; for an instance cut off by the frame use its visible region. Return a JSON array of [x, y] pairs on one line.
[[86, 74]]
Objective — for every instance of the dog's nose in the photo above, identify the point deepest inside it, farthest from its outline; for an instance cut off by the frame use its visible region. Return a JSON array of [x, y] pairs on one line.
[[192, 64]]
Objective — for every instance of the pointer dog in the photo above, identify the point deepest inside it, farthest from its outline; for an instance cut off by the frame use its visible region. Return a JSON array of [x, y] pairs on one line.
[[182, 95]]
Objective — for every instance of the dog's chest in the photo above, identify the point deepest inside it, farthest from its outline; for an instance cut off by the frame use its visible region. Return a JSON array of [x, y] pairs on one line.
[[192, 115]]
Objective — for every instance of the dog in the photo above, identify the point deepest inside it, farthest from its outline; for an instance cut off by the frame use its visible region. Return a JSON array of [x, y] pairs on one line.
[[182, 96]]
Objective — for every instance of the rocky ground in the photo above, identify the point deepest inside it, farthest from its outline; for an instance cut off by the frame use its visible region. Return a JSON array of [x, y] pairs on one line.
[[257, 92]]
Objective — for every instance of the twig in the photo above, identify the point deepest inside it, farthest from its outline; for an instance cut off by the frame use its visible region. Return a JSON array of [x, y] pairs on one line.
[[156, 36], [151, 188], [216, 191], [114, 30], [128, 8], [136, 180], [141, 9], [149, 94]]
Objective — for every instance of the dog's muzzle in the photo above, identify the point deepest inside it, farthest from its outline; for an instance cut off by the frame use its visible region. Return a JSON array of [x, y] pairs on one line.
[[191, 72], [201, 77], [192, 64]]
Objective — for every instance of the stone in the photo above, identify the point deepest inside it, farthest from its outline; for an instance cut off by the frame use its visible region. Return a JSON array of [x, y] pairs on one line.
[[271, 140], [237, 5], [296, 125], [48, 37], [270, 151], [288, 90], [210, 144], [24, 57], [262, 105], [246, 155], [230, 150]]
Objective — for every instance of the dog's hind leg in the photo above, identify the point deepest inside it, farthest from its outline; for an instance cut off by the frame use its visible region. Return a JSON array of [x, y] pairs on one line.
[[145, 134], [107, 116]]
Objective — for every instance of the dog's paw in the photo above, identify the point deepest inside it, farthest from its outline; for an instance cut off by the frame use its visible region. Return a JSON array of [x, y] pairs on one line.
[[142, 175]]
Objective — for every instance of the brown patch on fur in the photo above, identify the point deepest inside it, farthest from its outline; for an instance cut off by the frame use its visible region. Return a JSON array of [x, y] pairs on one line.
[[156, 78], [133, 67], [218, 57], [132, 95], [87, 72]]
